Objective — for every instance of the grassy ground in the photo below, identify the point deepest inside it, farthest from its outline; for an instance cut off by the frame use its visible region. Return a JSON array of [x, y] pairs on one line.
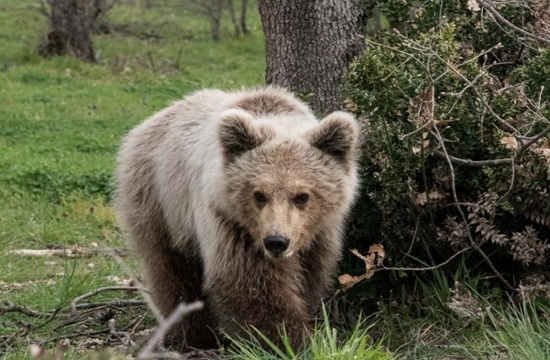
[[61, 122]]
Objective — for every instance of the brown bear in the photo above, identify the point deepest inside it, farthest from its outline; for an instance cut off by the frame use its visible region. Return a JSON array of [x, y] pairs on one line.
[[238, 199]]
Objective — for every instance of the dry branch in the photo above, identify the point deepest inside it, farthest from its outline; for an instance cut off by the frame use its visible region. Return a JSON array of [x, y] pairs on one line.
[[118, 303], [474, 163], [181, 311], [429, 268], [124, 336], [473, 243], [150, 303], [11, 307], [503, 20], [99, 290], [74, 251]]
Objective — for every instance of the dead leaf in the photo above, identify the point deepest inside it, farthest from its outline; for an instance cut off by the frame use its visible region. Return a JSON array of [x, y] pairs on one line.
[[509, 142], [427, 104], [473, 5], [348, 281], [422, 198], [373, 260]]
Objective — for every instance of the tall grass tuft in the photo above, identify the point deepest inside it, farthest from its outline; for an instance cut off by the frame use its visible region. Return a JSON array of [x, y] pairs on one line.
[[522, 332], [326, 342]]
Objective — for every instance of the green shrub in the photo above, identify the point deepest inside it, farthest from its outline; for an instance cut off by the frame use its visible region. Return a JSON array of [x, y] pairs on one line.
[[457, 145]]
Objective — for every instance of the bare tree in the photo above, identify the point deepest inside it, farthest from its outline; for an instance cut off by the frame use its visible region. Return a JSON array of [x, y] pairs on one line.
[[310, 43]]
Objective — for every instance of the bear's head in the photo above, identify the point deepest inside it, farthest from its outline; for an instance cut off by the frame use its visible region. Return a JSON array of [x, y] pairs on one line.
[[288, 185]]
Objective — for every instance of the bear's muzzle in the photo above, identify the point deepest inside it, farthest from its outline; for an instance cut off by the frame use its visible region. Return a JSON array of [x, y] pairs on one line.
[[276, 245]]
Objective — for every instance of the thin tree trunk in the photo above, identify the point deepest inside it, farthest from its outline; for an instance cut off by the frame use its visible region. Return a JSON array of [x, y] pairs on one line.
[[69, 30], [215, 17], [309, 45], [231, 10], [244, 7]]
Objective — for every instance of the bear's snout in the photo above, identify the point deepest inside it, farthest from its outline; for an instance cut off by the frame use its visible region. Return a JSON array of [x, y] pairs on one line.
[[276, 244]]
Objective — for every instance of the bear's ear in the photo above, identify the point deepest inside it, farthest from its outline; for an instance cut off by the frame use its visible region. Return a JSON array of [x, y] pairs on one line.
[[239, 134], [337, 135]]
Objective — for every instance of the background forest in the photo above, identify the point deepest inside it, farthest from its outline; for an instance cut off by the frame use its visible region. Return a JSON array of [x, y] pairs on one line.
[[453, 98]]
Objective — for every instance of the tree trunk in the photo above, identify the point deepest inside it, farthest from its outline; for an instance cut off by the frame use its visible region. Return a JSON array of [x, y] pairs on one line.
[[244, 7], [215, 18], [231, 10], [69, 30], [309, 45]]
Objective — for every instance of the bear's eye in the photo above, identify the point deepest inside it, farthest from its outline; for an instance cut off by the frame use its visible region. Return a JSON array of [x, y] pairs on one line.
[[301, 199], [259, 197]]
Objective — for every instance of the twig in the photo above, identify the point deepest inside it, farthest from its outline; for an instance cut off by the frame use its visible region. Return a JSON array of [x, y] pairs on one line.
[[99, 290], [473, 244], [75, 335], [497, 15], [500, 120], [48, 320], [428, 268], [144, 294], [164, 326], [73, 251], [413, 239], [123, 336], [114, 303], [11, 307], [512, 183], [527, 144], [474, 163]]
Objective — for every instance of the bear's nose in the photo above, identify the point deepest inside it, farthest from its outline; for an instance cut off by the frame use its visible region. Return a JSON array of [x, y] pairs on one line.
[[276, 244]]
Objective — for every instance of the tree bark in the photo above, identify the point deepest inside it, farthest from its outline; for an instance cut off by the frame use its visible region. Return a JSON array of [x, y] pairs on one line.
[[69, 30], [309, 45]]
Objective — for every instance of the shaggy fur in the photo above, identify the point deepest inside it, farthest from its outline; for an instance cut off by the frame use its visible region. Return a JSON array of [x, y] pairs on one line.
[[201, 184]]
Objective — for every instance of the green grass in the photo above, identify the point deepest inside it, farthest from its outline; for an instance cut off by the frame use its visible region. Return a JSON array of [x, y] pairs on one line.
[[326, 342], [522, 333], [61, 125]]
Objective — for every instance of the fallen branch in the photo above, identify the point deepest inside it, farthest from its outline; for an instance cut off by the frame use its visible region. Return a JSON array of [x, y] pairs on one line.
[[99, 290], [76, 335], [11, 307], [74, 251], [115, 304]]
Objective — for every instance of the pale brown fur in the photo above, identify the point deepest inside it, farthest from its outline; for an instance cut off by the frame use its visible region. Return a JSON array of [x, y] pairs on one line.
[[186, 193]]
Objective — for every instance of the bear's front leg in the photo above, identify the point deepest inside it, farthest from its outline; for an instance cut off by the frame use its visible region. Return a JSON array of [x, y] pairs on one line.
[[254, 290]]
